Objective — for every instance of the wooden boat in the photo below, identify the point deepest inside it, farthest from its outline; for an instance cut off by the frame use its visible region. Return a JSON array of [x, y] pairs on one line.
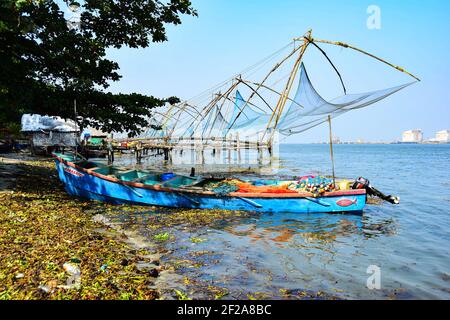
[[108, 183]]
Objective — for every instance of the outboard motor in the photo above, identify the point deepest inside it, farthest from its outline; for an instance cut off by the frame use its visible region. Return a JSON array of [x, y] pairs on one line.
[[363, 183]]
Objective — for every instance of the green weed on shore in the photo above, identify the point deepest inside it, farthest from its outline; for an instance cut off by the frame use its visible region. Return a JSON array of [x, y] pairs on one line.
[[42, 229]]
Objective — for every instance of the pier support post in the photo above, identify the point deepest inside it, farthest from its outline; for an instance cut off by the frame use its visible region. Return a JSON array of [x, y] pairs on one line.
[[260, 155], [166, 154], [238, 148], [229, 147], [138, 150], [203, 153], [110, 156]]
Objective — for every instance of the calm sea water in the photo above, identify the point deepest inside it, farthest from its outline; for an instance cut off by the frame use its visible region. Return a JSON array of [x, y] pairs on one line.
[[409, 242]]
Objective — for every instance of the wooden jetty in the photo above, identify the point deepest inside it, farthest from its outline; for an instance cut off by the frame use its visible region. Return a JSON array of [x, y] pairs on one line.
[[163, 146]]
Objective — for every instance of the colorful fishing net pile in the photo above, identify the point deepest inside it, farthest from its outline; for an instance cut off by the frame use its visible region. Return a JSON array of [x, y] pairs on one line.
[[224, 187], [315, 185], [312, 184], [227, 186], [250, 187]]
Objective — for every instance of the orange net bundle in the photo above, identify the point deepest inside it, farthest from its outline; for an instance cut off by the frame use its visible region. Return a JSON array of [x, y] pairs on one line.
[[247, 187]]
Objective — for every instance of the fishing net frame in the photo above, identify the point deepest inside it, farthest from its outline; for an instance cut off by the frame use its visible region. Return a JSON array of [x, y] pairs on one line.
[[229, 112]]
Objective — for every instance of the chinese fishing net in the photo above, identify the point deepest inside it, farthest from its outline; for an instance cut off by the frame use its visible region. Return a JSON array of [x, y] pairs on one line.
[[306, 109]]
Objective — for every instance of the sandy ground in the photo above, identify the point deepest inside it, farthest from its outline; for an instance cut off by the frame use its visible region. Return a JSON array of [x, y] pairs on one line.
[[9, 168]]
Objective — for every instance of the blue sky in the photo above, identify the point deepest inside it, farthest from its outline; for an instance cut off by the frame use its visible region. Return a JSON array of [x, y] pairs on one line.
[[230, 35]]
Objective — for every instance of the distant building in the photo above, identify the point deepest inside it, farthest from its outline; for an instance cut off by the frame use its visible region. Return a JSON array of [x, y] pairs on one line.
[[443, 136], [412, 136]]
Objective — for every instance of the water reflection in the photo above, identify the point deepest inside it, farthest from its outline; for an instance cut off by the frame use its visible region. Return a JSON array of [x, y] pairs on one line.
[[264, 253], [321, 228], [282, 228], [290, 252]]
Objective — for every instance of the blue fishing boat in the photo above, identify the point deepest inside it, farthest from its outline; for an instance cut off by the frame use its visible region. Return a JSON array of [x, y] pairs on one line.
[[95, 181]]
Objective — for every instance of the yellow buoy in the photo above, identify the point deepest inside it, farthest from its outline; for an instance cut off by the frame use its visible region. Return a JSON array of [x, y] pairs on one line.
[[345, 184]]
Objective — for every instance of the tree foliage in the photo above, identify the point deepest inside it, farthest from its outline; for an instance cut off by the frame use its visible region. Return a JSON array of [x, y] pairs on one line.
[[45, 65]]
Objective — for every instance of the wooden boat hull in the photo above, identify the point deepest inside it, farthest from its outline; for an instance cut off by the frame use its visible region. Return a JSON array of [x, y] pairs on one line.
[[88, 184]]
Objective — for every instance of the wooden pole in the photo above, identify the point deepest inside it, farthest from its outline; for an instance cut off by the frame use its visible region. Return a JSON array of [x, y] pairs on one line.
[[229, 147], [76, 124], [290, 82], [219, 109], [276, 114], [238, 147], [261, 83], [331, 150], [345, 45]]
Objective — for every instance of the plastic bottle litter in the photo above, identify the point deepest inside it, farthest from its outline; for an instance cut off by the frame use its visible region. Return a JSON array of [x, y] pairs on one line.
[[71, 268], [74, 279]]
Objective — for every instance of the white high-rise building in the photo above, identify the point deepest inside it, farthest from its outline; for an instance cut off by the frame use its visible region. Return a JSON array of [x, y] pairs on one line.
[[415, 136], [443, 136]]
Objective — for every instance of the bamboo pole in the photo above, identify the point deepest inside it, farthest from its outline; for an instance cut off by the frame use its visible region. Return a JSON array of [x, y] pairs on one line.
[[274, 91], [214, 101], [331, 150], [225, 97], [256, 92], [290, 83], [239, 80], [264, 80], [174, 126], [206, 109], [168, 116], [281, 97], [184, 108], [345, 45], [282, 100], [238, 147], [252, 104]]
